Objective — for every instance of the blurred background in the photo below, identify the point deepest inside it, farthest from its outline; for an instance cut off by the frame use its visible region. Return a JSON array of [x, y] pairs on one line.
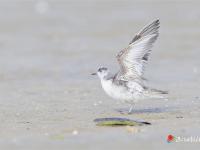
[[60, 39], [49, 48]]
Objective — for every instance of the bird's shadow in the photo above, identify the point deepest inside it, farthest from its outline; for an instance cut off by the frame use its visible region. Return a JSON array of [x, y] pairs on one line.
[[141, 111]]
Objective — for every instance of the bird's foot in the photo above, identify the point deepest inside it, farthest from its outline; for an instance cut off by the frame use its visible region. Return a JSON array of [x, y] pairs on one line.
[[130, 110], [125, 111]]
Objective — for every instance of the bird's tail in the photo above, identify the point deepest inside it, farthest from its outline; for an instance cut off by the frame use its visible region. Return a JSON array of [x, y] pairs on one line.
[[154, 93], [159, 91]]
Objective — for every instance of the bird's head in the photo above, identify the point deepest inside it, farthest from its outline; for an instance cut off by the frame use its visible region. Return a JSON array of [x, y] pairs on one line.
[[102, 72]]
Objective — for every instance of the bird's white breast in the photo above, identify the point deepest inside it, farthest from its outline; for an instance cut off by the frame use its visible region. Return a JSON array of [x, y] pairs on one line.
[[116, 92]]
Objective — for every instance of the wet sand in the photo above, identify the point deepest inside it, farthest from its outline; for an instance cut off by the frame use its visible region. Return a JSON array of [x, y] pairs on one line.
[[48, 49]]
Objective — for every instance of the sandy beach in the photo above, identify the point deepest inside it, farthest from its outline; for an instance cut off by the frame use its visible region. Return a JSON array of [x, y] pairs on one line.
[[48, 49]]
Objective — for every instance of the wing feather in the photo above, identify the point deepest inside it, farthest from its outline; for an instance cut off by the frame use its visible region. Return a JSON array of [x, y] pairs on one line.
[[133, 58]]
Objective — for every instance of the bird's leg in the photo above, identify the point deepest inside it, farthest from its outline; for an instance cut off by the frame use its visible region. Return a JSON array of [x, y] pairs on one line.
[[127, 112], [130, 109]]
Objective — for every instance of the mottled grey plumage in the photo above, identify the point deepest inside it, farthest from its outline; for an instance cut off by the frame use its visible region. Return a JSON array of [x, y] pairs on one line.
[[127, 84], [133, 58]]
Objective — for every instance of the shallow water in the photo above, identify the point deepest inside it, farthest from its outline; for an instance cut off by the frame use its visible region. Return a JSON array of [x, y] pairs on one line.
[[48, 49]]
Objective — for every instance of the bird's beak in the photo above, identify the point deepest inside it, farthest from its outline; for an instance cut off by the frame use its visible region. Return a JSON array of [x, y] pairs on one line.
[[94, 74]]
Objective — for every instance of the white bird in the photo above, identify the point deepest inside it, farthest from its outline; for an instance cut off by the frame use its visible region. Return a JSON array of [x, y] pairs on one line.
[[127, 85]]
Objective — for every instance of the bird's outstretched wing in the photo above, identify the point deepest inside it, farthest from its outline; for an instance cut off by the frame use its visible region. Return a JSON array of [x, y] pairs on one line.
[[133, 58]]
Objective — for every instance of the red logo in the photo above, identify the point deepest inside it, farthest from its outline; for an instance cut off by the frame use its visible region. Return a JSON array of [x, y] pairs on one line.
[[170, 138]]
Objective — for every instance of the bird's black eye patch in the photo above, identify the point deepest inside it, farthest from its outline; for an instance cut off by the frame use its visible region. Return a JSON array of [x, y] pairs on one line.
[[102, 69]]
